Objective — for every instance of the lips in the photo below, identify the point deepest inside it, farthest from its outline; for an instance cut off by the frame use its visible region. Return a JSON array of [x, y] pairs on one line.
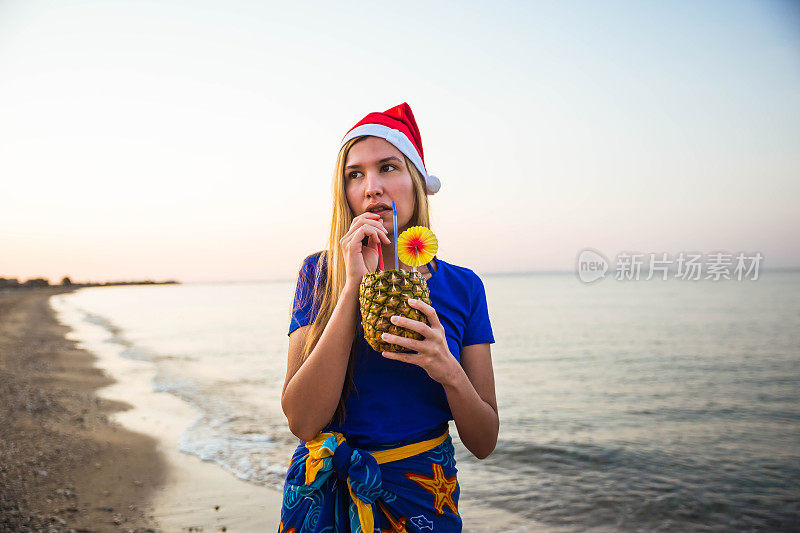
[[377, 208]]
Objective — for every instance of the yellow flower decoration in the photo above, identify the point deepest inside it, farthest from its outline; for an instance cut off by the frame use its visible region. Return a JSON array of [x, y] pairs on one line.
[[416, 246]]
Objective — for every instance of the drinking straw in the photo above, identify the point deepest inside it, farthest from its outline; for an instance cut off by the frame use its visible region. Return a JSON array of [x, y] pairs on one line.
[[380, 256], [394, 223]]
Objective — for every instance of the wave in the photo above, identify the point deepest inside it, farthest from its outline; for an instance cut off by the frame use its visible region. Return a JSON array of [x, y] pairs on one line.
[[251, 448]]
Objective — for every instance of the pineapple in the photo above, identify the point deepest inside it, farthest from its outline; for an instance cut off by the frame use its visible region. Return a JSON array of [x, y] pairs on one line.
[[385, 293]]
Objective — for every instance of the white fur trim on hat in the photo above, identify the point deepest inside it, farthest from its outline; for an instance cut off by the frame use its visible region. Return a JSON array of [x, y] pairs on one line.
[[402, 143]]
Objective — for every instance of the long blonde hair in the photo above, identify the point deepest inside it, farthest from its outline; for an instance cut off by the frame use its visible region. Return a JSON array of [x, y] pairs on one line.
[[326, 293]]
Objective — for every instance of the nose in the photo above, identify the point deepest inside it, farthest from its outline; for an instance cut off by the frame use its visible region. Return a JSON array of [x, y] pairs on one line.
[[372, 184]]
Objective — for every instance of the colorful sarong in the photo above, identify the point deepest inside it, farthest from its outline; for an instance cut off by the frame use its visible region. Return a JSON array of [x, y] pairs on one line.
[[332, 487]]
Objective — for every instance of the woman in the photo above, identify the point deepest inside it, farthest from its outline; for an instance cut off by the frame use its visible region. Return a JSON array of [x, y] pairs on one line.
[[376, 451]]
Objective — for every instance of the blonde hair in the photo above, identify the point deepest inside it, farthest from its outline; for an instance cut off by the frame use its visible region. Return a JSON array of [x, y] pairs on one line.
[[326, 291]]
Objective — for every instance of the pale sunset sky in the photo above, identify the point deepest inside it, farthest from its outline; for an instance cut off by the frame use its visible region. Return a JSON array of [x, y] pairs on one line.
[[195, 140]]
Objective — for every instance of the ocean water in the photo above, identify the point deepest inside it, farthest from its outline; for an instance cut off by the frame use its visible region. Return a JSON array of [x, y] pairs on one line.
[[625, 405]]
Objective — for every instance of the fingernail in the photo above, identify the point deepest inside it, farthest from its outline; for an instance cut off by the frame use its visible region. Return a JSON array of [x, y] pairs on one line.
[[412, 300], [395, 318], [384, 335]]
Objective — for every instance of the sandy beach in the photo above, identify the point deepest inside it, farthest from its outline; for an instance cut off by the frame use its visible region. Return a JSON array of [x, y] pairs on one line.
[[76, 457], [64, 463]]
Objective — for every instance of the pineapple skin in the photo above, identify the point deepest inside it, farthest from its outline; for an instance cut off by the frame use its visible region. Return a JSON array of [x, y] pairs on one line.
[[384, 294]]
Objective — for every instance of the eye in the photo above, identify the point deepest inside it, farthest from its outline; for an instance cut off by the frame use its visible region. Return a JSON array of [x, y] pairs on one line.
[[352, 175]]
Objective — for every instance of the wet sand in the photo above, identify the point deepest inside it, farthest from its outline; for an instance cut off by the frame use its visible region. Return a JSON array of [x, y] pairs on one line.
[[196, 495], [86, 445]]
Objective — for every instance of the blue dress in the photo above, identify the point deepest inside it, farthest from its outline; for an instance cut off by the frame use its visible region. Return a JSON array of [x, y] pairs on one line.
[[392, 405]]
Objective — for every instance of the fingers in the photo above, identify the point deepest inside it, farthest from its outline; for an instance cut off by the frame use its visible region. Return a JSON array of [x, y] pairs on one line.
[[365, 230], [358, 233], [365, 219], [411, 344], [383, 235], [373, 219], [349, 241], [429, 311], [404, 357], [377, 224], [414, 325]]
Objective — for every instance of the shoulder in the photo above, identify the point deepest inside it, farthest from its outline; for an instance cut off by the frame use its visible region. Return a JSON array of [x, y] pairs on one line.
[[312, 269], [312, 258], [311, 262], [460, 274], [462, 280]]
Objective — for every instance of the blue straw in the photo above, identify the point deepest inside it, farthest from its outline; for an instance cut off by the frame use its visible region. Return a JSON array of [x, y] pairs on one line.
[[394, 223]]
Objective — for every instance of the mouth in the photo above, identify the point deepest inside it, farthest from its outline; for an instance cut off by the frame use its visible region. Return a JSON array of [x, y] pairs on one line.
[[381, 209]]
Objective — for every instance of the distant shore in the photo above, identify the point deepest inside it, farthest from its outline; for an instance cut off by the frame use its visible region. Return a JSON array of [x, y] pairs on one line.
[[12, 284]]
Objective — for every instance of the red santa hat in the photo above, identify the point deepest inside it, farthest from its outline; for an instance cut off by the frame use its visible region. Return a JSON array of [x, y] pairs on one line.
[[397, 125]]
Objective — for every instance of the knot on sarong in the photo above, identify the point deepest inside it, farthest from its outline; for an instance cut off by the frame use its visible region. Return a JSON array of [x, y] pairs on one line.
[[329, 453], [341, 459]]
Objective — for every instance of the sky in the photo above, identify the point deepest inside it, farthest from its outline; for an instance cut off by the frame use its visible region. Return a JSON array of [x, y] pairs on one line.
[[196, 140]]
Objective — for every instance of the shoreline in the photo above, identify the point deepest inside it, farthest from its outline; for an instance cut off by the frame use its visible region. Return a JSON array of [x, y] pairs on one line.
[[65, 464], [88, 446], [193, 495]]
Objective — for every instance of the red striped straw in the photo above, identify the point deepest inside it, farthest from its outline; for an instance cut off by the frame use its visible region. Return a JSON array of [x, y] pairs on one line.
[[380, 257]]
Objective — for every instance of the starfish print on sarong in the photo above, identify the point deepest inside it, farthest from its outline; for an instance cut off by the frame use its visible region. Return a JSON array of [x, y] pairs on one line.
[[440, 486]]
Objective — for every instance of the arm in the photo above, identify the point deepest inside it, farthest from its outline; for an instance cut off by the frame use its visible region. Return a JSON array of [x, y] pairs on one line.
[[471, 396], [469, 386], [312, 387]]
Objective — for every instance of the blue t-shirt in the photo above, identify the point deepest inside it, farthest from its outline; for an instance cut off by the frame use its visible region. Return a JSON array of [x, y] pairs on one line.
[[392, 402]]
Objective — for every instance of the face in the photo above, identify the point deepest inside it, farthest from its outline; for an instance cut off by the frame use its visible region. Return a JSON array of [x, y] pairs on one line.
[[375, 173]]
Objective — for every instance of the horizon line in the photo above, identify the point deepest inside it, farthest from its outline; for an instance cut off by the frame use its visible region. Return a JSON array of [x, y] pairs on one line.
[[509, 273], [502, 273]]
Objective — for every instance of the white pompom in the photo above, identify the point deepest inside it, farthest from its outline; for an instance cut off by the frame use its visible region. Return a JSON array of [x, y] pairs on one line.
[[433, 184]]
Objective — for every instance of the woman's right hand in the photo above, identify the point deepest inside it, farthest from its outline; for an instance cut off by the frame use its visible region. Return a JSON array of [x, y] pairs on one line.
[[360, 259]]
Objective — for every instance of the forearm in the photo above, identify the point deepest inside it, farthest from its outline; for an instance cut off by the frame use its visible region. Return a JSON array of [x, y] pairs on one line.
[[310, 397], [476, 420]]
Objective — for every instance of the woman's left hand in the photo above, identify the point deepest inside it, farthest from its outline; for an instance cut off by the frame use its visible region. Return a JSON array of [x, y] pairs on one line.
[[433, 354]]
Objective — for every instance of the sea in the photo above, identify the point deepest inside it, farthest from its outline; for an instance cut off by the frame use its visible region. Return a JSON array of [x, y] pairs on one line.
[[661, 405]]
